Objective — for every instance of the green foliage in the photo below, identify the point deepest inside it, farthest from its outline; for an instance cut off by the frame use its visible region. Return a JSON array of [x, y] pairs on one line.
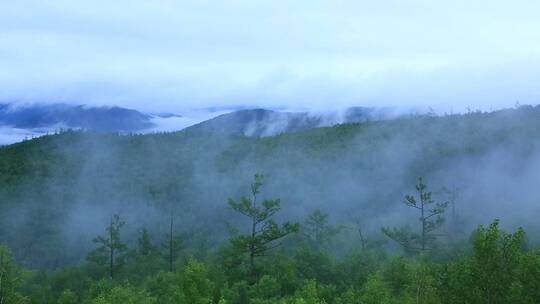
[[405, 237], [264, 231], [498, 267], [349, 297], [144, 243], [9, 279], [317, 230], [68, 297], [496, 260], [172, 245], [237, 293], [430, 220], [46, 179], [308, 294], [125, 294], [100, 287], [422, 285], [376, 291], [314, 264], [143, 261], [499, 271], [355, 268], [111, 250], [165, 287], [528, 274], [266, 290], [286, 270], [222, 301], [196, 287]]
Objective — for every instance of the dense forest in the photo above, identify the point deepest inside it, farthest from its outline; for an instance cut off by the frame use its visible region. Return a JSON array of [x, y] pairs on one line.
[[418, 209]]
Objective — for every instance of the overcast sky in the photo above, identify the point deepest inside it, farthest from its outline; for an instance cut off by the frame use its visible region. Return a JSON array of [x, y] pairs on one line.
[[159, 55]]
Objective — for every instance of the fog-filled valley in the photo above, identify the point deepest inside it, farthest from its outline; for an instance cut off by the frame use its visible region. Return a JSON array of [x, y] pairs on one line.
[[345, 186], [269, 152]]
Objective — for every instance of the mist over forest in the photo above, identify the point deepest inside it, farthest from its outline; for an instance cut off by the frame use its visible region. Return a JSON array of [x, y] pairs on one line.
[[60, 191], [269, 152]]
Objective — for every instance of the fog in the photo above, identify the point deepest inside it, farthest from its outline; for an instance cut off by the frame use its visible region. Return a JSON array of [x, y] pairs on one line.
[[178, 56], [448, 68], [358, 176]]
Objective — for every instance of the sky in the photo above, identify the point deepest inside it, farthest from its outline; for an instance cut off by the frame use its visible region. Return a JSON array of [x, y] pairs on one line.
[[160, 55]]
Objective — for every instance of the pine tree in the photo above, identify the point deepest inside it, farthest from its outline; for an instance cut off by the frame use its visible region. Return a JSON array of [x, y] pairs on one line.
[[264, 231], [456, 222], [9, 279], [144, 243], [317, 230], [111, 250], [430, 220], [172, 245]]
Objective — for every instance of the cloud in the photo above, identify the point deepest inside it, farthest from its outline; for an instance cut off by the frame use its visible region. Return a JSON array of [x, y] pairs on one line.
[[174, 122], [179, 55], [9, 135]]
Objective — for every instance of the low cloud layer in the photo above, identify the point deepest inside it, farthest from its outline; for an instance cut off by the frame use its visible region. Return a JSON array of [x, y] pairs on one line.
[[181, 55]]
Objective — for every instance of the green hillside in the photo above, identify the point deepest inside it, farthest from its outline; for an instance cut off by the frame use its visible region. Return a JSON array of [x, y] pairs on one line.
[[60, 191], [376, 163]]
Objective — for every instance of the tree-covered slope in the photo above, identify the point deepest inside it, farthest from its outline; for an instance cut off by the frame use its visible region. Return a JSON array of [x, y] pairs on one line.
[[47, 116], [262, 122], [59, 190]]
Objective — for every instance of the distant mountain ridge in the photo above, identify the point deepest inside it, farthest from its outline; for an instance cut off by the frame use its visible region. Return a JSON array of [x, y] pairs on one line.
[[77, 179], [20, 121], [108, 119], [262, 122]]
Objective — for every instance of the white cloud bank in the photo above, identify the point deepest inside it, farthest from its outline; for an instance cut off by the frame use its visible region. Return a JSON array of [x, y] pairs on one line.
[[179, 55]]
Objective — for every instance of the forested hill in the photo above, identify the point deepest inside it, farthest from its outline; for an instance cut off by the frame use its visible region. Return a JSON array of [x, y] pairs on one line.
[[59, 190], [262, 122]]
